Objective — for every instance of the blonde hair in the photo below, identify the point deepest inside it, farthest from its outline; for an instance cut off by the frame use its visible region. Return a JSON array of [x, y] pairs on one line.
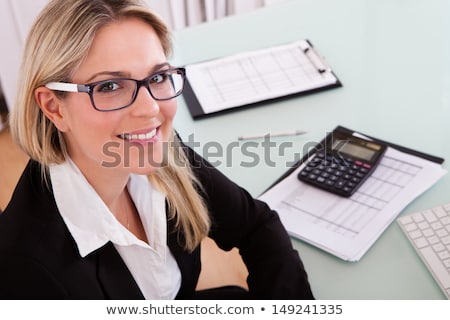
[[57, 44]]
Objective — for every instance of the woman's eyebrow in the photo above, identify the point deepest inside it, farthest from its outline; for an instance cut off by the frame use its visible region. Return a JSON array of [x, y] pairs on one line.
[[124, 74], [161, 66], [115, 74]]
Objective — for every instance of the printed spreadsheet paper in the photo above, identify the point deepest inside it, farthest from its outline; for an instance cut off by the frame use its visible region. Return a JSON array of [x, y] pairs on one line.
[[348, 227], [259, 75]]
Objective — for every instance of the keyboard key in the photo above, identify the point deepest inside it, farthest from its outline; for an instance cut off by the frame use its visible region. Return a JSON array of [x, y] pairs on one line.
[[410, 227], [423, 225], [445, 220], [441, 233], [436, 225], [438, 247], [421, 242], [444, 255], [415, 234], [447, 263], [418, 218], [406, 219], [428, 232], [433, 239], [429, 215], [439, 212], [446, 240]]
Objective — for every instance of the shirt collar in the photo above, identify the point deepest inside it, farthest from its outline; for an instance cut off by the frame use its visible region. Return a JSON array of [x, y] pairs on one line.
[[90, 221]]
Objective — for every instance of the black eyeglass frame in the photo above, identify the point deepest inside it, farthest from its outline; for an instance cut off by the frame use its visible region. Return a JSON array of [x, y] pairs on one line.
[[89, 87]]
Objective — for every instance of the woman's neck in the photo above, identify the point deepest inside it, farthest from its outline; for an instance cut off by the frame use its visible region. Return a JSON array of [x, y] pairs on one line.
[[111, 186]]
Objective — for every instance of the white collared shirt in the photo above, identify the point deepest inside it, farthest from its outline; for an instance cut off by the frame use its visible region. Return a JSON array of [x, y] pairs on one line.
[[92, 225]]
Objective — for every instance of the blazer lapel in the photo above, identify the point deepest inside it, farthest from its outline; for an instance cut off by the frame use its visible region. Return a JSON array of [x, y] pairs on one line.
[[188, 262], [114, 276]]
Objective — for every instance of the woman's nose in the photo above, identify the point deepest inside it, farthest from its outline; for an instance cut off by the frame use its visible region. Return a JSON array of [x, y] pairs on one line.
[[145, 104]]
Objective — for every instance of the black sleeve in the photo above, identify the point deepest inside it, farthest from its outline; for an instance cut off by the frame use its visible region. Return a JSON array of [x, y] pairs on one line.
[[238, 220], [23, 279]]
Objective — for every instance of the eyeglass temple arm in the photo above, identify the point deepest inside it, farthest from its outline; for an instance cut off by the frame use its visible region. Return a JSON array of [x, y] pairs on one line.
[[67, 87]]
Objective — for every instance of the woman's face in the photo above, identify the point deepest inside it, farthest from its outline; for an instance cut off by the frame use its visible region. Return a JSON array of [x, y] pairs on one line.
[[132, 139]]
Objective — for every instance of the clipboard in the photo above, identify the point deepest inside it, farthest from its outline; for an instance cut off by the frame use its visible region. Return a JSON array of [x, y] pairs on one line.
[[256, 77], [348, 227]]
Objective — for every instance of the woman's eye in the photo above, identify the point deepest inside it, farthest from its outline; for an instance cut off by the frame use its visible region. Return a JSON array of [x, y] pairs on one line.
[[158, 78], [108, 86]]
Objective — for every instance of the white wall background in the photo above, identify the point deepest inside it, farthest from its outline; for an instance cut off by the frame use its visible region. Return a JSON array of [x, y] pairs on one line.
[[16, 17], [184, 13]]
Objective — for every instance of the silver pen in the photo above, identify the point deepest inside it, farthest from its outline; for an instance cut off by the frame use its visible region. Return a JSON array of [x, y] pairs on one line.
[[278, 134]]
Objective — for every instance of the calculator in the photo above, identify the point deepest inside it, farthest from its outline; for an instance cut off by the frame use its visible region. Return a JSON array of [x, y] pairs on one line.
[[342, 164]]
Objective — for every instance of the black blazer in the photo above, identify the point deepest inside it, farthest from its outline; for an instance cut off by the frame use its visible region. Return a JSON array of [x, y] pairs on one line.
[[39, 258]]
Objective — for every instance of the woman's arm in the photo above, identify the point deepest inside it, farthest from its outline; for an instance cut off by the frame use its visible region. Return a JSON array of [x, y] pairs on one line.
[[238, 220]]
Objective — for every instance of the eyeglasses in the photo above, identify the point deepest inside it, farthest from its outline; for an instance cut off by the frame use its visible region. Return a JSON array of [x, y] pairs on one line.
[[115, 94]]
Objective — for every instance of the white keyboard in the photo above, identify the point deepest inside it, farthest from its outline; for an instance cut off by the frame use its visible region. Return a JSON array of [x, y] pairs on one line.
[[429, 233]]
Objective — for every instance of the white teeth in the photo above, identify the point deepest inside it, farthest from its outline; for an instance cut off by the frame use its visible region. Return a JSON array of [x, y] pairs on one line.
[[142, 136]]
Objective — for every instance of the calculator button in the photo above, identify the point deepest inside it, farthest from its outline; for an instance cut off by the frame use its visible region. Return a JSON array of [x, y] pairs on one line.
[[304, 173], [313, 163], [360, 174], [329, 183], [325, 175], [364, 169], [351, 184], [355, 179], [347, 189], [340, 184], [320, 179]]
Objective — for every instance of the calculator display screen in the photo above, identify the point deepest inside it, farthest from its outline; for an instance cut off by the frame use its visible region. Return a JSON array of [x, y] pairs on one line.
[[353, 150]]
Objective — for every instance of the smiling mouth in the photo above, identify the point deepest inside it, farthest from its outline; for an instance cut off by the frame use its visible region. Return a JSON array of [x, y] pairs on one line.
[[140, 136]]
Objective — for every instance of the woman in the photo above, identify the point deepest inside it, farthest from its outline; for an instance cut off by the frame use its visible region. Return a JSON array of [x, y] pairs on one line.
[[111, 204]]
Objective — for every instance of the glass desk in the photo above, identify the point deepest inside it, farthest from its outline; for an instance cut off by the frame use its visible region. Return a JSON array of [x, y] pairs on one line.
[[393, 59]]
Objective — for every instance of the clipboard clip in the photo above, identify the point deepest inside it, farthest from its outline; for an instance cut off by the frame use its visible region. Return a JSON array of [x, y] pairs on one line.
[[317, 61]]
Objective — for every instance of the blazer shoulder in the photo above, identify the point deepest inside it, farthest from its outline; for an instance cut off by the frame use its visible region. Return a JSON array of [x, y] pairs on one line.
[[30, 212]]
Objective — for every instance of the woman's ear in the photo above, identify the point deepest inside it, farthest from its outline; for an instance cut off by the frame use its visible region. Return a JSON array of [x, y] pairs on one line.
[[51, 106]]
